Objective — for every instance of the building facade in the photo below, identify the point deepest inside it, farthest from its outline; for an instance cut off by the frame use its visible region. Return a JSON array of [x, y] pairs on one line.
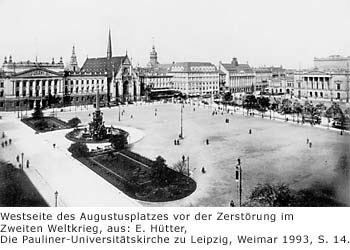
[[24, 85], [333, 86], [332, 63], [195, 78], [239, 78]]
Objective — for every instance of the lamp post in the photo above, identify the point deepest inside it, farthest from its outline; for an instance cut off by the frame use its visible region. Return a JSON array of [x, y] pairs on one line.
[[22, 154], [119, 112], [56, 196], [181, 126], [239, 180]]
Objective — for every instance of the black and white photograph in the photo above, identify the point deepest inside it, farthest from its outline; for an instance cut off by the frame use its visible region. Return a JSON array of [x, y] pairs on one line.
[[174, 103]]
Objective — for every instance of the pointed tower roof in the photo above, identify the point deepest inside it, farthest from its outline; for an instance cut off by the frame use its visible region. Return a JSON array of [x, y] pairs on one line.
[[109, 46], [73, 64]]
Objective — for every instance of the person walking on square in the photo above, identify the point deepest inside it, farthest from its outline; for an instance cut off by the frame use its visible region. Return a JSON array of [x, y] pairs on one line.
[[54, 145], [310, 144], [10, 141], [203, 170], [27, 163], [307, 141], [232, 204], [17, 158]]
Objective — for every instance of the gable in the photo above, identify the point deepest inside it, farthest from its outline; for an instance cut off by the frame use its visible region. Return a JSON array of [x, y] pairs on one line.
[[38, 72], [126, 61]]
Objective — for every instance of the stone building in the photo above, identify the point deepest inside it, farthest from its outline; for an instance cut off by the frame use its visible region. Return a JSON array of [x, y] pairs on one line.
[[26, 84], [239, 78], [195, 78], [332, 63], [321, 85]]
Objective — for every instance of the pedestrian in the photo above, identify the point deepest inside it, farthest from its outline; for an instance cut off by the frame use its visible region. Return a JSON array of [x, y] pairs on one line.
[[203, 170], [2, 144], [54, 145], [310, 144], [250, 131], [131, 116], [10, 141], [307, 141], [207, 141], [232, 204], [341, 132], [178, 142], [3, 134], [27, 163], [175, 142], [6, 143], [17, 158]]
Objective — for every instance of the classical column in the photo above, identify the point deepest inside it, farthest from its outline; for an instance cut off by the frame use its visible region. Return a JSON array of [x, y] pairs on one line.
[[34, 88], [47, 87], [41, 88], [27, 88], [21, 88], [52, 87]]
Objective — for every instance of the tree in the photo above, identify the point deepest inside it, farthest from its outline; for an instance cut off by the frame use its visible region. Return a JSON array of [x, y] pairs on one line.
[[250, 102], [119, 141], [38, 113], [74, 122], [264, 103], [79, 149], [278, 195], [227, 97], [159, 171], [180, 167], [297, 108]]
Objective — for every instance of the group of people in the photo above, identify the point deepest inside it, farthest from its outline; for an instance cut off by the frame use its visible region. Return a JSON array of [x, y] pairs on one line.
[[6, 142], [309, 143]]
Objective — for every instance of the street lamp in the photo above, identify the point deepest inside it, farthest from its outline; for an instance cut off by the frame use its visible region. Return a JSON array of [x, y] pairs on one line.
[[119, 112], [181, 127], [56, 195], [239, 180], [22, 154]]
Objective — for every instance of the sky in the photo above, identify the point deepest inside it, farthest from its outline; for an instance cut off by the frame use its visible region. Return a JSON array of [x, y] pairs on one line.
[[261, 32]]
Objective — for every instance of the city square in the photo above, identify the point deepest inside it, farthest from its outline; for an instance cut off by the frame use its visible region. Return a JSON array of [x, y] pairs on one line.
[[275, 152]]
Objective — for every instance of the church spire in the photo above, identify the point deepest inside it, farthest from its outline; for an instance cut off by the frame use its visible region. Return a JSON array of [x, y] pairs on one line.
[[73, 64], [109, 46]]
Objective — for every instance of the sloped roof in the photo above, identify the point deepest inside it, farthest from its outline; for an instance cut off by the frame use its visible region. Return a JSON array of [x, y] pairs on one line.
[[187, 66], [237, 68], [102, 64]]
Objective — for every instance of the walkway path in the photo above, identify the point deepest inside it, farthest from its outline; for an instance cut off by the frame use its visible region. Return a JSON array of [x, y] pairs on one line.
[[54, 169]]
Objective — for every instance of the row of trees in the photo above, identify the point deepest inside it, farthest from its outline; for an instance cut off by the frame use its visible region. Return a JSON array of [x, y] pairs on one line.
[[294, 107]]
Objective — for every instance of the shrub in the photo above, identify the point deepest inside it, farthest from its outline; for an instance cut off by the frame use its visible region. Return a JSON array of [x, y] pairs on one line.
[[74, 122], [79, 149], [41, 124], [118, 141], [38, 113]]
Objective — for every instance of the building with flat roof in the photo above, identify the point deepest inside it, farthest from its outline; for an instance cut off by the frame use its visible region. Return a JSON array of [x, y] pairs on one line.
[[195, 78], [332, 63]]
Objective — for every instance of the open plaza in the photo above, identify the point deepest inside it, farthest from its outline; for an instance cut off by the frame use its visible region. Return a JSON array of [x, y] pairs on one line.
[[274, 152]]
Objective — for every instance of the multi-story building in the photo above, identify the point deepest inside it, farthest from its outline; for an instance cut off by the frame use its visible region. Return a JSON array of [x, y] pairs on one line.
[[332, 63], [155, 75], [26, 84], [239, 78], [195, 78], [322, 85]]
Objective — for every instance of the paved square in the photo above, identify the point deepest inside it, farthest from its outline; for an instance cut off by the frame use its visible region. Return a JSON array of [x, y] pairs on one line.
[[275, 152]]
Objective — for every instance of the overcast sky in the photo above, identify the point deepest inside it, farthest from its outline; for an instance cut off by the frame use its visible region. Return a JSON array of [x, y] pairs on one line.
[[261, 32]]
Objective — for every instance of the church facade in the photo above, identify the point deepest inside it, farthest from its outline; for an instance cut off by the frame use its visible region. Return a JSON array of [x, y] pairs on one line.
[[24, 85]]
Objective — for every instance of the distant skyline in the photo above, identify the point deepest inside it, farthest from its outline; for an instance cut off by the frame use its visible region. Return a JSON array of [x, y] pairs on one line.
[[268, 32]]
